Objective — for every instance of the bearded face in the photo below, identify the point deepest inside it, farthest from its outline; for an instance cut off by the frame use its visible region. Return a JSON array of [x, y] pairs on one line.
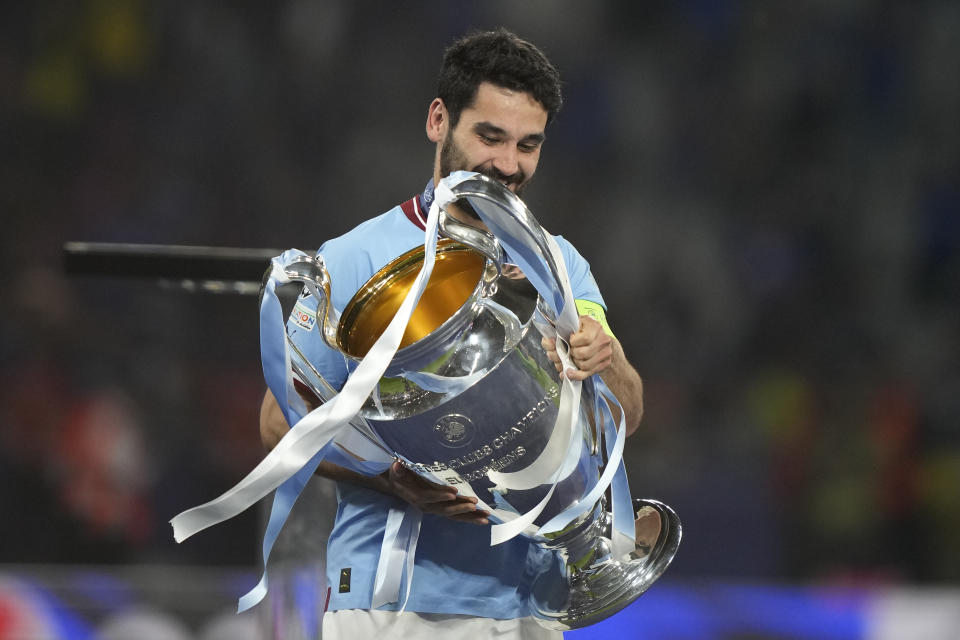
[[453, 158]]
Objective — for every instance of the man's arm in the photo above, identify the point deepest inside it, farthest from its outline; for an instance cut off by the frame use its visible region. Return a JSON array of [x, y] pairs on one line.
[[397, 481], [594, 351]]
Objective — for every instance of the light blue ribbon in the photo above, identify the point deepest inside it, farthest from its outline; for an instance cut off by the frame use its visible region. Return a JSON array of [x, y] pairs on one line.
[[274, 354], [276, 363], [614, 476], [283, 500], [621, 502]]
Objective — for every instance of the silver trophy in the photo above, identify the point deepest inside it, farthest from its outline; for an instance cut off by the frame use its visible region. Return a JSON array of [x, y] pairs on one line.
[[471, 399]]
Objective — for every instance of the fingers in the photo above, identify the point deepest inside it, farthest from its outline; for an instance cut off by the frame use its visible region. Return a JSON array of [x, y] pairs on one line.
[[438, 499], [590, 349], [578, 374], [479, 517], [589, 335], [550, 348], [461, 508], [460, 511], [400, 473], [416, 490], [592, 359]]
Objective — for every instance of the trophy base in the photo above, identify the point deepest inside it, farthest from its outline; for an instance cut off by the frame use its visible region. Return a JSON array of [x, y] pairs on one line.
[[606, 585]]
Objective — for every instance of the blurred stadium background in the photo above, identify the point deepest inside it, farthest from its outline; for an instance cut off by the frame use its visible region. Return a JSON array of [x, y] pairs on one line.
[[769, 194]]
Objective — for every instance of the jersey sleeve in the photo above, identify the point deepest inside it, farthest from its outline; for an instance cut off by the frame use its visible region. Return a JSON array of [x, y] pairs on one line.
[[586, 293], [578, 269]]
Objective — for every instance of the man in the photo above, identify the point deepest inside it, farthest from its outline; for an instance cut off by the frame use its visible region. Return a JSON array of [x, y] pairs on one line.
[[496, 95]]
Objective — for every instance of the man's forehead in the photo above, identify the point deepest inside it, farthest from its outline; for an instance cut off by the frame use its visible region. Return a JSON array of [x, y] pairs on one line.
[[512, 111]]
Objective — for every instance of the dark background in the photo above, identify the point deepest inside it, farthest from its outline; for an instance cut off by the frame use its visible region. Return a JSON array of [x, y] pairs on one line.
[[769, 197]]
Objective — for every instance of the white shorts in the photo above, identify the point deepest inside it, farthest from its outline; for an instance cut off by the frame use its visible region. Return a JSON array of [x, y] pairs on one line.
[[360, 624]]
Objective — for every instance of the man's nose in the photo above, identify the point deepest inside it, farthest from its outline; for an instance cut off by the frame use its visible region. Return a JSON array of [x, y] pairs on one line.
[[507, 161]]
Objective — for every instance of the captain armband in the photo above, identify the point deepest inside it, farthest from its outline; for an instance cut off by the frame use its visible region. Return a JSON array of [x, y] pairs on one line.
[[595, 311]]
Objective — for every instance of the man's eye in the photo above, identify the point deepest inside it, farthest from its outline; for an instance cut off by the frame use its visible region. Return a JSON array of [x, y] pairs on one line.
[[527, 148], [489, 139]]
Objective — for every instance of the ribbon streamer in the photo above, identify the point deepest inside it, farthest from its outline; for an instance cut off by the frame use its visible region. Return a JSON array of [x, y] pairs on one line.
[[559, 456], [397, 552], [615, 436], [307, 441]]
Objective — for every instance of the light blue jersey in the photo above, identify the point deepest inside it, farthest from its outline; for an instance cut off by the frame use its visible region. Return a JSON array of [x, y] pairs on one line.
[[456, 570]]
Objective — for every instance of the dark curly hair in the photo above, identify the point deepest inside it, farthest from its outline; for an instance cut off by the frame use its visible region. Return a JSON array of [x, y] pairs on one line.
[[501, 58]]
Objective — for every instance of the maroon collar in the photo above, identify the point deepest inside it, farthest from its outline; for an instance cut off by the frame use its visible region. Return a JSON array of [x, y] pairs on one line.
[[411, 209]]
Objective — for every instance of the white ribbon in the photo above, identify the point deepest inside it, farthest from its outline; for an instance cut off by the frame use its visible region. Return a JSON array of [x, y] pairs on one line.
[[315, 430], [397, 552], [615, 436], [560, 455]]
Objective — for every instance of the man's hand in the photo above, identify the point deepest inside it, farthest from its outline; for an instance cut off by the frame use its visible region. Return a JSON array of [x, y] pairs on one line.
[[398, 481], [433, 498], [591, 350]]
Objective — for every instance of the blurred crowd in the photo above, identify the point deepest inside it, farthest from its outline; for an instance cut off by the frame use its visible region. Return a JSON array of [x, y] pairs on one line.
[[769, 197]]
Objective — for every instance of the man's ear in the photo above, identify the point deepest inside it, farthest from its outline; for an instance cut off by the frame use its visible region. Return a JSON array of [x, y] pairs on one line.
[[437, 120]]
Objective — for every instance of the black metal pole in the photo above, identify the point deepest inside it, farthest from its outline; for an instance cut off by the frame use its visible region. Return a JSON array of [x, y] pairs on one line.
[[166, 261]]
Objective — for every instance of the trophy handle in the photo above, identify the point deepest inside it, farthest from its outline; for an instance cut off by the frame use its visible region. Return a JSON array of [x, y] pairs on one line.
[[511, 225], [477, 239], [312, 273]]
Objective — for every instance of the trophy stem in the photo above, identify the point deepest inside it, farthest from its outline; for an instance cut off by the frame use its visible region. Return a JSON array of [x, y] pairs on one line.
[[597, 585]]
